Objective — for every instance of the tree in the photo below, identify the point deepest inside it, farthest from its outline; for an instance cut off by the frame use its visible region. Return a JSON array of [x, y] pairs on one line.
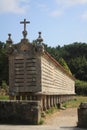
[[76, 57], [64, 64], [3, 63]]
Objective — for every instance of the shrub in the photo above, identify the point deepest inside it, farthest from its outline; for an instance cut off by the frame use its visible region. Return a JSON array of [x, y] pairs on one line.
[[81, 87]]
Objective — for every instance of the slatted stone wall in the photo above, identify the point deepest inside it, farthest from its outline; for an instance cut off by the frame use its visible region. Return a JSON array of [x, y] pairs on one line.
[[24, 70], [54, 80], [25, 73]]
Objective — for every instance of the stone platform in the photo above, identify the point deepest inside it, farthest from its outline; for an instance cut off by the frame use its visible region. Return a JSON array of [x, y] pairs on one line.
[[19, 112]]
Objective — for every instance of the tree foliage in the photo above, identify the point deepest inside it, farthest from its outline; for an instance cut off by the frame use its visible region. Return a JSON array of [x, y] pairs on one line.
[[81, 88], [75, 56], [3, 63]]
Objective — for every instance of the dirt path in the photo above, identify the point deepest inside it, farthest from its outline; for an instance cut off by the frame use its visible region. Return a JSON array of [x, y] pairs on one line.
[[62, 120], [66, 117]]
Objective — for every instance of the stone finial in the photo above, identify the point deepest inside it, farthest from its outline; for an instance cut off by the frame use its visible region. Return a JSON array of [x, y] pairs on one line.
[[9, 41], [39, 39], [24, 31], [9, 45]]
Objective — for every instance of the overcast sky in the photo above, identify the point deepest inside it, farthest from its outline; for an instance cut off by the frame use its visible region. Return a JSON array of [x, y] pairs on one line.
[[60, 21]]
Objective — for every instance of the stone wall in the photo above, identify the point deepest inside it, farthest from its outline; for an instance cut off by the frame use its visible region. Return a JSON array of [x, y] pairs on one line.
[[54, 79], [20, 112]]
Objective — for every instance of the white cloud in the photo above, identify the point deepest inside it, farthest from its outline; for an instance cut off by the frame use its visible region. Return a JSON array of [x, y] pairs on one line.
[[67, 3], [56, 13], [13, 6], [84, 15], [63, 5], [43, 7]]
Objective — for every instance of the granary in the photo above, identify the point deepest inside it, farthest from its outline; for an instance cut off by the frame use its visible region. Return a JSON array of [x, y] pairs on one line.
[[35, 75]]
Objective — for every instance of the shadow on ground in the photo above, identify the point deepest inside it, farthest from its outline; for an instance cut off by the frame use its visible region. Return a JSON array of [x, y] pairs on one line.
[[72, 128]]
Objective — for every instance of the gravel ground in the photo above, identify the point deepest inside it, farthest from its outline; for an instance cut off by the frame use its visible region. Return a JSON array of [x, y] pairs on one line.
[[62, 120], [66, 118]]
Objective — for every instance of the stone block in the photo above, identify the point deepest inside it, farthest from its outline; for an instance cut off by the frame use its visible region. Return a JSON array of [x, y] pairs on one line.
[[20, 112]]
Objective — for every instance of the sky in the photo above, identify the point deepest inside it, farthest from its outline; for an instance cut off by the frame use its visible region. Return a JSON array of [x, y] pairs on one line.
[[61, 22]]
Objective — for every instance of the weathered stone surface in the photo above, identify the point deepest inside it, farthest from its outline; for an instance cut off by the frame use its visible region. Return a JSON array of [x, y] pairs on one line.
[[20, 112]]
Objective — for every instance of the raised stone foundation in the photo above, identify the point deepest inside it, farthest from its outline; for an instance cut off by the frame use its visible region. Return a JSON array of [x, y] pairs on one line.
[[20, 112], [82, 115]]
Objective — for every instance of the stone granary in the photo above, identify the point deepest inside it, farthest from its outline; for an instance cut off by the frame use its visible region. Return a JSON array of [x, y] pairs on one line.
[[35, 75]]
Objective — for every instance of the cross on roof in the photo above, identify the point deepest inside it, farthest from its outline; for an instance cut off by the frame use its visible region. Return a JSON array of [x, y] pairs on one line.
[[24, 22]]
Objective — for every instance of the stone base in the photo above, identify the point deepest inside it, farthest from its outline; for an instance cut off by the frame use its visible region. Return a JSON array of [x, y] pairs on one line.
[[82, 115], [20, 112]]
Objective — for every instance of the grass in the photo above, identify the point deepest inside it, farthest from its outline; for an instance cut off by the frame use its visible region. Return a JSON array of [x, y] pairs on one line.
[[75, 102], [3, 97], [51, 110], [41, 122]]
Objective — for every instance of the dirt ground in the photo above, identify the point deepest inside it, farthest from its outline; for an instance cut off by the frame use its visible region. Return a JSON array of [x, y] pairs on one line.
[[66, 117], [61, 120]]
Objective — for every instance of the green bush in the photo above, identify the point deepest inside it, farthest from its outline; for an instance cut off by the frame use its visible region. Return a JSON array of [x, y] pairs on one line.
[[4, 85], [81, 87]]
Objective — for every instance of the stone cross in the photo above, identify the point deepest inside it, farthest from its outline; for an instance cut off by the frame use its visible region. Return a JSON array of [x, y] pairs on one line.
[[24, 32]]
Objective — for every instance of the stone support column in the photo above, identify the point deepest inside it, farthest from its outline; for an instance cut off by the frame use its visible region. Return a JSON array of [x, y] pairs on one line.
[[57, 99], [40, 98], [23, 97], [48, 101], [51, 100], [54, 100], [44, 103]]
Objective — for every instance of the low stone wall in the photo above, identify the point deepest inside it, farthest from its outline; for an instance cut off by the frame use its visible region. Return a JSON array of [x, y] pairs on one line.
[[20, 112], [82, 115]]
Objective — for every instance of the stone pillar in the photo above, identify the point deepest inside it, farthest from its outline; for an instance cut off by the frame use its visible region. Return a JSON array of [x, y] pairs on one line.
[[54, 100], [23, 97], [51, 100], [44, 103], [48, 101], [82, 115], [40, 98], [57, 99]]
